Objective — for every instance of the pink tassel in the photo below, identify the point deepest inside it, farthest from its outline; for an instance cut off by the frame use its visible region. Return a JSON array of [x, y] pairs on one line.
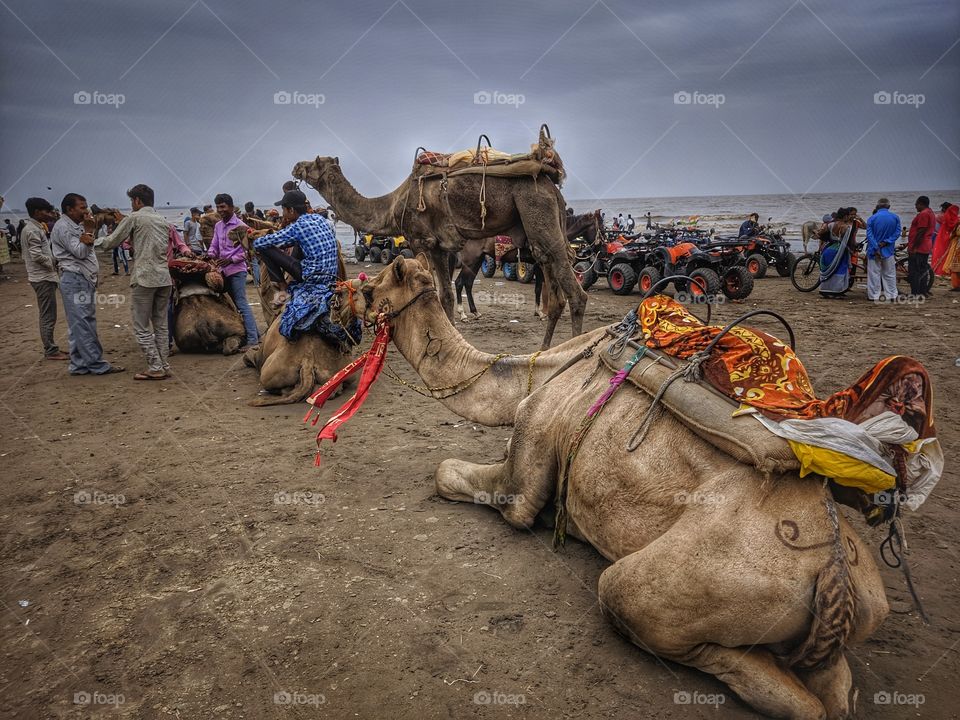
[[615, 382]]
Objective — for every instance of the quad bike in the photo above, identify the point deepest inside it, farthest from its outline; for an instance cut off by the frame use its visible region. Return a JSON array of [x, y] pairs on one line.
[[394, 247], [718, 267], [381, 248], [620, 264], [768, 248]]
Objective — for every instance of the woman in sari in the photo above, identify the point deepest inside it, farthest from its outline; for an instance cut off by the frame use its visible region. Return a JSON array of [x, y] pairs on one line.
[[836, 241], [942, 245], [950, 262]]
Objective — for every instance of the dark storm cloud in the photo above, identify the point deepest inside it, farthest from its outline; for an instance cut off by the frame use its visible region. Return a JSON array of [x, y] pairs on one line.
[[198, 80]]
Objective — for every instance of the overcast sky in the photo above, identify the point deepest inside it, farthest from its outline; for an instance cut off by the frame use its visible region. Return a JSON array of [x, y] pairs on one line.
[[680, 97]]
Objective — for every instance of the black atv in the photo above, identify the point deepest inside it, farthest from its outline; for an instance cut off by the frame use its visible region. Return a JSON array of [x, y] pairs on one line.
[[619, 264], [766, 249], [720, 267]]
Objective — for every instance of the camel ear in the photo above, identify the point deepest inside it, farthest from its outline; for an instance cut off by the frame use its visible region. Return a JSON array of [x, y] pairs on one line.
[[398, 269], [424, 261], [336, 161]]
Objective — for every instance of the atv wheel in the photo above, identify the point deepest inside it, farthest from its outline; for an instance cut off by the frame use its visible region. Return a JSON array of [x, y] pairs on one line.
[[488, 266], [737, 283], [360, 252], [785, 264], [621, 279], [709, 278], [510, 270], [649, 277], [525, 272], [757, 265], [376, 254], [407, 253], [585, 273]]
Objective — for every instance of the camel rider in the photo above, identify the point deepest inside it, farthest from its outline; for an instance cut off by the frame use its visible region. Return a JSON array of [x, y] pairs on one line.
[[750, 226], [312, 265]]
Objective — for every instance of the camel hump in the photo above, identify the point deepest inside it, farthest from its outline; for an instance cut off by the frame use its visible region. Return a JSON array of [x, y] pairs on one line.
[[833, 608]]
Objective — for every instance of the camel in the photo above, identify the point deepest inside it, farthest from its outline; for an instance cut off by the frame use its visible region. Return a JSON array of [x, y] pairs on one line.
[[716, 584], [206, 322], [528, 210]]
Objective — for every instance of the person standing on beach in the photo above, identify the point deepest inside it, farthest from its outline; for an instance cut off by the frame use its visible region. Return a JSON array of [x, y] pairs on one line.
[[649, 221], [631, 223], [150, 284], [42, 272], [191, 232], [883, 231], [919, 246], [232, 260], [72, 247]]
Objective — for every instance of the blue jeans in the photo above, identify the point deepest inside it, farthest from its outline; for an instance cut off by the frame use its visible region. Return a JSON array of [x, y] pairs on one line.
[[236, 286], [80, 305], [255, 269], [119, 252]]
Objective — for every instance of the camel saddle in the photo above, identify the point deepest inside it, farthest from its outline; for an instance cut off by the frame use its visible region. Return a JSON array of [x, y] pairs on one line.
[[485, 160], [705, 411]]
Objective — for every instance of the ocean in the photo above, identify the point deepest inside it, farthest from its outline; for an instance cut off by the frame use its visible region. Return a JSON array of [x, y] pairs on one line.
[[724, 213]]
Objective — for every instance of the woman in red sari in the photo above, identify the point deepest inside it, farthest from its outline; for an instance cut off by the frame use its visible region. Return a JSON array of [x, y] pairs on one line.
[[948, 221]]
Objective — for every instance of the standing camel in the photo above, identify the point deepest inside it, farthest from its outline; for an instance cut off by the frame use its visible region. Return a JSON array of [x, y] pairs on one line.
[[529, 210]]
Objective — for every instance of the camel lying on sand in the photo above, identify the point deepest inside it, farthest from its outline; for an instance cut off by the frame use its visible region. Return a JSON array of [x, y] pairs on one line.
[[712, 585], [205, 321]]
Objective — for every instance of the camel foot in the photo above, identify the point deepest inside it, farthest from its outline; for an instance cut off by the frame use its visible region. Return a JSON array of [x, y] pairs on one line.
[[832, 685], [476, 315]]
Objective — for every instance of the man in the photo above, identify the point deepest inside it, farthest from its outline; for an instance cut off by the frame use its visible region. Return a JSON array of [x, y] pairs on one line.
[[313, 265], [883, 231], [232, 261], [621, 223], [649, 221], [631, 223], [42, 272], [919, 246], [191, 232], [150, 284], [750, 226], [11, 230], [72, 247]]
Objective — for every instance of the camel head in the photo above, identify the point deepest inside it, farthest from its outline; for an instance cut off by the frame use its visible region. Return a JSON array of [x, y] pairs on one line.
[[104, 216], [396, 287], [312, 171]]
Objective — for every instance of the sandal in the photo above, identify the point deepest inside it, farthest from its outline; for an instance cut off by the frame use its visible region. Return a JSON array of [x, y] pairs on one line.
[[114, 369], [150, 376]]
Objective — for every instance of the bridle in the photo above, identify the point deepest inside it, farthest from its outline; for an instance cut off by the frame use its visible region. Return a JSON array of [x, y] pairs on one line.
[[384, 317]]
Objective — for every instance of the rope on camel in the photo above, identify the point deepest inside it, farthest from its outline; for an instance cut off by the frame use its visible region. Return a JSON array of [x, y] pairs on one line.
[[453, 389]]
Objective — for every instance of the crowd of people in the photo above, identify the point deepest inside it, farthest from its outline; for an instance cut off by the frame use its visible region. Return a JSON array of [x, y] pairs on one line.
[[60, 255]]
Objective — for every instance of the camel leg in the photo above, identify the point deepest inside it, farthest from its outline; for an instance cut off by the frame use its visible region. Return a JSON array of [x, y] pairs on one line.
[[553, 302], [832, 685], [639, 595], [440, 260]]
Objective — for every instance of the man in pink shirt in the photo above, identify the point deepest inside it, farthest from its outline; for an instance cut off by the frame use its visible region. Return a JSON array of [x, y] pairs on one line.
[[232, 261], [919, 247]]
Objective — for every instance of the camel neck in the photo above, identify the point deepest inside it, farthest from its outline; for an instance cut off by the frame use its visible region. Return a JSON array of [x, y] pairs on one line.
[[477, 386], [374, 215]]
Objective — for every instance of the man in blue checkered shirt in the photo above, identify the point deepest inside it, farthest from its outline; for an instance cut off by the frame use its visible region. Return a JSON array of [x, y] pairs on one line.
[[312, 265]]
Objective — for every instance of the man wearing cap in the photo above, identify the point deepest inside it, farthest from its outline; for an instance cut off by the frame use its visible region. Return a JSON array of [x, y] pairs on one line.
[[883, 231], [312, 265], [42, 271]]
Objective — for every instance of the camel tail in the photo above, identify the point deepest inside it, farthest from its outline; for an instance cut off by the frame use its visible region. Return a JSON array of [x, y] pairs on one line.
[[833, 607], [298, 392]]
